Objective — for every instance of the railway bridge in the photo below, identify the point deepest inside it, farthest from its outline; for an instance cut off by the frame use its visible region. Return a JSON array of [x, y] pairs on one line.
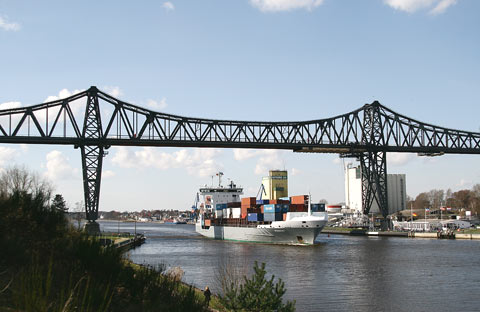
[[93, 121]]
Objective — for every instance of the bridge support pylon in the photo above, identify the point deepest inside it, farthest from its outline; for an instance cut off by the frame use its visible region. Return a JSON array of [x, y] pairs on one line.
[[374, 181], [92, 160], [374, 162]]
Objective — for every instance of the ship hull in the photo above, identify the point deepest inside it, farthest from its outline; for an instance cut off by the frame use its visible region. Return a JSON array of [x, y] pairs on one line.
[[282, 232]]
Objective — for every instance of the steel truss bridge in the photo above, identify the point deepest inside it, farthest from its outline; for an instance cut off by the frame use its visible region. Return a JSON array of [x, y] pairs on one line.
[[93, 121]]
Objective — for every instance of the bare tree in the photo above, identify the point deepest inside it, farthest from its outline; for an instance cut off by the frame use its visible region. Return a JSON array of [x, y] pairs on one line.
[[79, 210], [20, 180]]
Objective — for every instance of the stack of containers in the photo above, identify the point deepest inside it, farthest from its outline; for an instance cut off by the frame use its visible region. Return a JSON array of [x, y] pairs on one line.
[[272, 212], [299, 203], [247, 203]]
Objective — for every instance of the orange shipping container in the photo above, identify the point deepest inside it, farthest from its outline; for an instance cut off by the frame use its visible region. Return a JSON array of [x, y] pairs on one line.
[[249, 201], [207, 222], [300, 199]]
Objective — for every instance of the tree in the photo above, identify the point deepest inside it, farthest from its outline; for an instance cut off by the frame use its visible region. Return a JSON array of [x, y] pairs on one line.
[[58, 203], [421, 201], [436, 198], [256, 294], [20, 180]]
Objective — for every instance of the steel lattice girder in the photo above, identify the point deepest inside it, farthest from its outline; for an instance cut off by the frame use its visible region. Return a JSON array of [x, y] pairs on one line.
[[129, 125]]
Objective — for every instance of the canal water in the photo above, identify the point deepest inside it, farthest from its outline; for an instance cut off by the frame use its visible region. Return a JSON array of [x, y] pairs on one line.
[[339, 273]]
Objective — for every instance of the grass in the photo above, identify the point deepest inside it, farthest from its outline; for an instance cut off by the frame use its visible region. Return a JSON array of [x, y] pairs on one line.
[[337, 229]]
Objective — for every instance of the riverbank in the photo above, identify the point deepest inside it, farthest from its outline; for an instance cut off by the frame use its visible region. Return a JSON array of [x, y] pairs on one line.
[[468, 234]]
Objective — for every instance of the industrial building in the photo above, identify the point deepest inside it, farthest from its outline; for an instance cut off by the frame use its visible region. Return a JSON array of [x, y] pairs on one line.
[[275, 184], [396, 191]]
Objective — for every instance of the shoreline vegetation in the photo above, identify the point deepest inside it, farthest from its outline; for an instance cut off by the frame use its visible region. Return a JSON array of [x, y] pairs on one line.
[[49, 265]]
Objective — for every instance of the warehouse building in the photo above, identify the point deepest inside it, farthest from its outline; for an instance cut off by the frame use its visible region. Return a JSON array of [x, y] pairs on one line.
[[396, 191]]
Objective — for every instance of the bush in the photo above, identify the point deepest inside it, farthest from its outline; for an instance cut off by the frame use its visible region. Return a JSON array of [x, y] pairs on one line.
[[256, 293]]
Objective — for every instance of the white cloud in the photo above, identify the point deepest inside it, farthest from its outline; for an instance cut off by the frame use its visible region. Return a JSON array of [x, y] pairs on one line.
[[285, 5], [58, 167], [295, 171], [442, 6], [399, 159], [9, 105], [107, 174], [113, 91], [157, 105], [197, 162], [5, 25], [267, 159], [412, 6], [64, 93], [464, 183], [7, 154], [244, 154], [168, 6]]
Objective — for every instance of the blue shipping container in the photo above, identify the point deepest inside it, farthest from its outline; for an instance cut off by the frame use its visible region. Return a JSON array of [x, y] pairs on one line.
[[318, 207], [285, 208], [255, 217], [272, 208], [263, 202], [270, 216], [220, 206]]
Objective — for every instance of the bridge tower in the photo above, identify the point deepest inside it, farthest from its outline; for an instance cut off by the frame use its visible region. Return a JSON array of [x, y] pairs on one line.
[[373, 162], [92, 159]]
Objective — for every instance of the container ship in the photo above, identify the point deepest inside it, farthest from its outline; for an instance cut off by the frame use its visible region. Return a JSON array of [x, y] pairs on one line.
[[223, 214]]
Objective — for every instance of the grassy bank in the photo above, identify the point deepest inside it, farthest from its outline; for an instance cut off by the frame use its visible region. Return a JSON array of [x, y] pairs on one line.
[[46, 265]]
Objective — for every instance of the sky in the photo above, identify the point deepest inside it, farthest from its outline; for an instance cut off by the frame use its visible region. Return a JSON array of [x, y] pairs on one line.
[[266, 60]]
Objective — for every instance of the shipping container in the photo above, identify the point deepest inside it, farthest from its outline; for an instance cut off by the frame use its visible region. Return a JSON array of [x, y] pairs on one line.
[[208, 222], [218, 214], [263, 202], [234, 205], [236, 212], [318, 207], [272, 208], [273, 216], [220, 206], [285, 208], [249, 201], [299, 199], [254, 217]]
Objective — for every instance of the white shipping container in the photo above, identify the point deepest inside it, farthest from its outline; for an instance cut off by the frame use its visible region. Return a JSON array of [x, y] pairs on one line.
[[236, 212], [219, 213], [226, 212]]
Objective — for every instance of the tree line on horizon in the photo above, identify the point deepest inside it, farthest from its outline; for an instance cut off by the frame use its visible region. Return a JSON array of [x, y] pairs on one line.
[[467, 199]]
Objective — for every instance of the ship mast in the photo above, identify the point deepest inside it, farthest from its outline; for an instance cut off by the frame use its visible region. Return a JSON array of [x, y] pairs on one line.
[[220, 174], [309, 204]]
